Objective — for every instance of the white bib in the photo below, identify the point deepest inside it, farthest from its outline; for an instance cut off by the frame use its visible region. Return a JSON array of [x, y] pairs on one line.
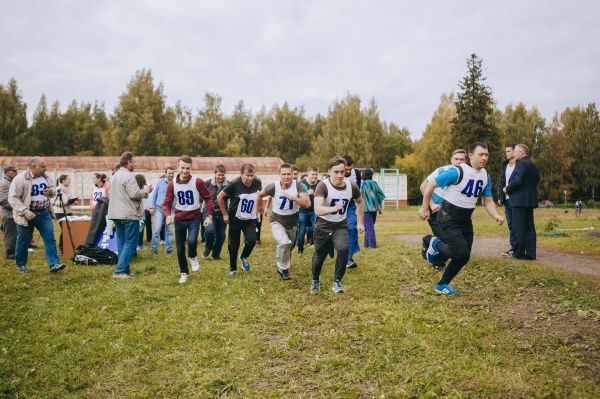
[[334, 196], [352, 176], [246, 209], [282, 205], [438, 190], [466, 193], [38, 199], [187, 197], [98, 192]]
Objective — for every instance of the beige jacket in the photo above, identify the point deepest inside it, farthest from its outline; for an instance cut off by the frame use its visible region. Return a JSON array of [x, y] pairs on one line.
[[125, 196], [19, 195]]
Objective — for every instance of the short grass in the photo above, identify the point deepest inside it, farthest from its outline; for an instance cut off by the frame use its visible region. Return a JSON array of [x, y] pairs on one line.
[[517, 330], [580, 242]]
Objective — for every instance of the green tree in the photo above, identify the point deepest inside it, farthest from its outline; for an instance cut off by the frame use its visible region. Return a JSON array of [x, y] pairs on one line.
[[582, 128], [13, 119], [520, 125], [142, 123], [475, 114], [352, 130]]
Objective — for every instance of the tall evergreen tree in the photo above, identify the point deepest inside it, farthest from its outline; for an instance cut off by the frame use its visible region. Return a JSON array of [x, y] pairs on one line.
[[13, 119], [474, 114]]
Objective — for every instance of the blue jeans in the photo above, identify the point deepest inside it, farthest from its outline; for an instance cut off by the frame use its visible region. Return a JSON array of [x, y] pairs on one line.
[[158, 221], [215, 236], [306, 225], [512, 234], [353, 246], [128, 232], [45, 225]]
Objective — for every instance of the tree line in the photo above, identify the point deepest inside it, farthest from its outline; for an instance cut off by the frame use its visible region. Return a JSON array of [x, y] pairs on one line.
[[565, 149]]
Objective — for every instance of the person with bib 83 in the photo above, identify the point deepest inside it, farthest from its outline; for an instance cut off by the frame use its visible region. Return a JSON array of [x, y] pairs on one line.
[[187, 192], [332, 197], [463, 186], [241, 215], [288, 196]]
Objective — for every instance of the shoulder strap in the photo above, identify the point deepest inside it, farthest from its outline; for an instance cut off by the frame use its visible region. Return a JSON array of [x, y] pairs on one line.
[[460, 174]]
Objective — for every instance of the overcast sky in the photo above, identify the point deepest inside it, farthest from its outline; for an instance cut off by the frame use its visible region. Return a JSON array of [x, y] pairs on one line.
[[403, 54]]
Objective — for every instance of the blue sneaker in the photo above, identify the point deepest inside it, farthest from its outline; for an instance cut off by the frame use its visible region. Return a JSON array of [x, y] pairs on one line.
[[245, 264], [433, 250], [314, 287], [337, 287], [445, 289], [232, 273]]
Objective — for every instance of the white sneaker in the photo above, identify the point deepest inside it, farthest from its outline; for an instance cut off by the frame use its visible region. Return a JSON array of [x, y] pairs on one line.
[[183, 278], [195, 264]]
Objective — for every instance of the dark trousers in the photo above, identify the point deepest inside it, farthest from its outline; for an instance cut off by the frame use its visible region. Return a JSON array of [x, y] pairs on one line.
[[236, 227], [370, 219], [186, 230], [324, 242], [9, 230], [509, 221], [434, 224], [524, 227], [456, 233], [215, 236]]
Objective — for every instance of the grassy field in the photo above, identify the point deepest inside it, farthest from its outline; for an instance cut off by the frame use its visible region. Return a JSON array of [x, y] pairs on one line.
[[518, 329]]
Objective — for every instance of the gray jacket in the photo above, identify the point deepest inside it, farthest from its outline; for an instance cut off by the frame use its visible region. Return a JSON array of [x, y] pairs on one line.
[[5, 208], [19, 195], [125, 196]]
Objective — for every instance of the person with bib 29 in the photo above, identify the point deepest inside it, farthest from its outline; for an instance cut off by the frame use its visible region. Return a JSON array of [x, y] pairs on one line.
[[332, 197], [288, 196], [187, 192], [241, 215], [464, 185]]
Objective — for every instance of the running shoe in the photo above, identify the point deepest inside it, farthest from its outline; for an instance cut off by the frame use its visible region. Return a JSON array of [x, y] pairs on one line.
[[232, 273], [245, 264], [284, 274], [445, 289], [314, 287], [195, 264], [433, 251], [57, 268], [337, 287], [351, 265], [183, 278], [425, 246]]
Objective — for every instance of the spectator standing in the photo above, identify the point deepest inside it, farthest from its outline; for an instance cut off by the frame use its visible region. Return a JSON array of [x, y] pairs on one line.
[[29, 196], [373, 198], [9, 228], [522, 188], [126, 210]]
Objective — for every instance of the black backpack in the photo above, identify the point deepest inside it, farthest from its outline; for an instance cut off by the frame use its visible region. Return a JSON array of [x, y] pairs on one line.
[[93, 255]]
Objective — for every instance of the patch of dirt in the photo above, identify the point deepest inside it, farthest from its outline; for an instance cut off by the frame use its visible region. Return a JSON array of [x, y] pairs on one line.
[[494, 246]]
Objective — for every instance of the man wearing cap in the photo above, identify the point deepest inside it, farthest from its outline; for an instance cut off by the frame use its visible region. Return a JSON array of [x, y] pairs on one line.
[[29, 196], [9, 228]]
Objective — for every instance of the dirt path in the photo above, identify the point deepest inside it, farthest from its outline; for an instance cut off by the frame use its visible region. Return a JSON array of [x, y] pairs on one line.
[[494, 246]]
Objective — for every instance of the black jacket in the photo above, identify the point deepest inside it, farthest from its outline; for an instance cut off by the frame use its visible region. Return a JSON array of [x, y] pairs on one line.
[[522, 186], [501, 195]]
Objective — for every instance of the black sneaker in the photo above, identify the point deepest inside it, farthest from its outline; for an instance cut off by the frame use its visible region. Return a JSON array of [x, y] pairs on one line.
[[352, 265], [285, 274], [57, 268], [216, 258], [425, 247], [508, 254], [206, 254]]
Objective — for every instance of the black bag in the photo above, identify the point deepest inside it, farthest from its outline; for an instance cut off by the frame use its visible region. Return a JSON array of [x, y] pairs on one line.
[[98, 222], [98, 255]]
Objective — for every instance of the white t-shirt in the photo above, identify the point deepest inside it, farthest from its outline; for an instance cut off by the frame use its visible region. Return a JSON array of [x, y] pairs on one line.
[[508, 173]]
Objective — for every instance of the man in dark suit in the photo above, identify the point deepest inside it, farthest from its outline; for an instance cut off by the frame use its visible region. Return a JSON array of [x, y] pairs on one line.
[[522, 189], [508, 166]]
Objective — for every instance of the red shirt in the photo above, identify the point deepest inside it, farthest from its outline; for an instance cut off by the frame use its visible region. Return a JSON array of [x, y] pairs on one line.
[[188, 215]]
